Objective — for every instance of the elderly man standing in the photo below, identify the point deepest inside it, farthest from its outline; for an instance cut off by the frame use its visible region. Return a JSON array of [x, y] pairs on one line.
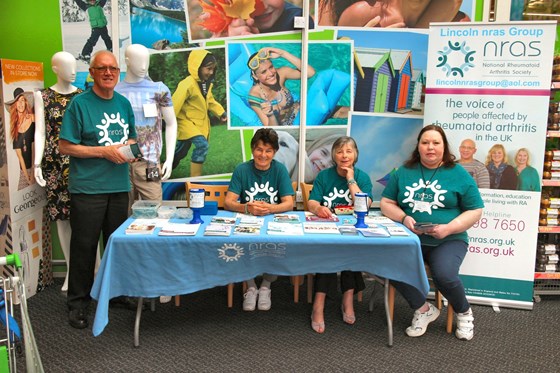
[[96, 124], [475, 168]]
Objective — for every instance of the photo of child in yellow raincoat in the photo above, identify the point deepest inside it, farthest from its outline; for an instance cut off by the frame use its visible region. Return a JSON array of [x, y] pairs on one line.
[[193, 103]]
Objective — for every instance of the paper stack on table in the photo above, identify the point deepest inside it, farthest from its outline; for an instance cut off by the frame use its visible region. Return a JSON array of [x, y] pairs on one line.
[[248, 229], [309, 216], [229, 220], [374, 231], [214, 229], [179, 229], [286, 218], [141, 226], [320, 227], [289, 229]]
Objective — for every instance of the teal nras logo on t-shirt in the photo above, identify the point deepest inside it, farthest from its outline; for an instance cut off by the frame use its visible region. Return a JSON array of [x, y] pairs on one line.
[[425, 196], [262, 192], [338, 197], [113, 129]]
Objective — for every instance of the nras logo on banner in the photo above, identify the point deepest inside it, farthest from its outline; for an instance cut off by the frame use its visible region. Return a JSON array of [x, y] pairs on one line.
[[455, 59]]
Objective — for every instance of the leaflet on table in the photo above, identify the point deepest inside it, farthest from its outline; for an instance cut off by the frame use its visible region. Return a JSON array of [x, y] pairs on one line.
[[320, 227], [248, 229], [309, 216], [141, 226], [179, 229], [229, 220], [215, 229], [286, 218], [289, 229], [396, 231], [375, 231], [245, 219], [377, 219], [348, 230], [349, 220]]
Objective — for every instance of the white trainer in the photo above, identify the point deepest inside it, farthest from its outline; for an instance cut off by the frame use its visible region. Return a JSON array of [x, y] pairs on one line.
[[421, 320], [250, 301], [465, 325], [264, 299], [165, 299]]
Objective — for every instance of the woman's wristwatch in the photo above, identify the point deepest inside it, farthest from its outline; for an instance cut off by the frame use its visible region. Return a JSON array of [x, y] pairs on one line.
[[351, 181]]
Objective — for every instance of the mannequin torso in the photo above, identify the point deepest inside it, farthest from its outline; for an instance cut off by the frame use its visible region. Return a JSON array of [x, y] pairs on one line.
[[151, 102]]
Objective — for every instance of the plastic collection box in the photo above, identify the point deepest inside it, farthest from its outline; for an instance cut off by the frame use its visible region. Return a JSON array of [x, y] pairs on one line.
[[176, 212], [145, 209], [169, 209], [166, 212]]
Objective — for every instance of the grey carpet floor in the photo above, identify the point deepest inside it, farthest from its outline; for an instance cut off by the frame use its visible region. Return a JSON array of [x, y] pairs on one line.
[[203, 335]]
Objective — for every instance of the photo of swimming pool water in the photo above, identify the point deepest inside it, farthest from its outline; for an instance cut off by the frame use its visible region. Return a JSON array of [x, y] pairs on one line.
[[149, 27]]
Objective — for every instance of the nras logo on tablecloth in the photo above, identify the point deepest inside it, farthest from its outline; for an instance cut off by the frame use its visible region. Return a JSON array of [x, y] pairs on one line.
[[230, 252], [233, 252]]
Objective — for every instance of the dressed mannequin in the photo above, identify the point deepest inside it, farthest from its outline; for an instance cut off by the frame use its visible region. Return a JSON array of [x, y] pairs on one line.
[[50, 105], [151, 102]]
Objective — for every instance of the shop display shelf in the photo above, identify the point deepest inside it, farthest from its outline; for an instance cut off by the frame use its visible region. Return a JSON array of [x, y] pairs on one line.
[[547, 275], [549, 284], [549, 229], [551, 183]]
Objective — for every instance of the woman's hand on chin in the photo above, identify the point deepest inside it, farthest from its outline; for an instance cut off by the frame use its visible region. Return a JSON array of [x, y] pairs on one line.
[[347, 172]]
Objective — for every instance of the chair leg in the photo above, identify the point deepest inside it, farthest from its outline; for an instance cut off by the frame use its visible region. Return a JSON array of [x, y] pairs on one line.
[[309, 288], [296, 282], [391, 301], [450, 315], [438, 300], [371, 299], [177, 300], [230, 295]]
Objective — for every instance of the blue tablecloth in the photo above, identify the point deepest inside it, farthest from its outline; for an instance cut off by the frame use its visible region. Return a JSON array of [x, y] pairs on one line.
[[152, 265]]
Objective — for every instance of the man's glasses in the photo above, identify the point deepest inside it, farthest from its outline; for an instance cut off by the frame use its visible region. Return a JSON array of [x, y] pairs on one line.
[[255, 62], [111, 69]]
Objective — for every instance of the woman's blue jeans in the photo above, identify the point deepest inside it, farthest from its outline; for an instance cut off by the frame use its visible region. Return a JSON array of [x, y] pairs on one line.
[[444, 261]]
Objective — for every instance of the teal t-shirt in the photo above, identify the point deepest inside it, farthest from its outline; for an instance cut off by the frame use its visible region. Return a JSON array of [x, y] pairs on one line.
[[331, 190], [529, 179], [268, 186], [435, 196], [93, 121]]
